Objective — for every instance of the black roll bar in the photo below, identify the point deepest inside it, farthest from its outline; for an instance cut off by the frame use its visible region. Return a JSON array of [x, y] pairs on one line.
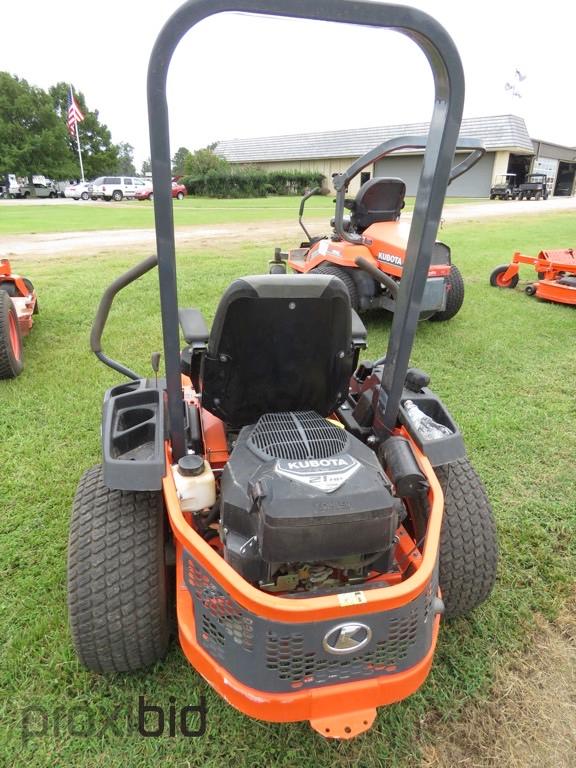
[[104, 308], [342, 180], [448, 76], [306, 197]]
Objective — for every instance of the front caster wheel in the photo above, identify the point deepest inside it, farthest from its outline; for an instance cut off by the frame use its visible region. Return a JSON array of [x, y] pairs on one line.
[[497, 278]]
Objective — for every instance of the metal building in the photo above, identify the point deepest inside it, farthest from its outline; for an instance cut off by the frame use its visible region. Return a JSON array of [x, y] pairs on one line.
[[509, 150]]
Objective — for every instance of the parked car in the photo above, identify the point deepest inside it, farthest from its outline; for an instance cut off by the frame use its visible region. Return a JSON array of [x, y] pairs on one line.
[[178, 191], [80, 191], [116, 187], [38, 190]]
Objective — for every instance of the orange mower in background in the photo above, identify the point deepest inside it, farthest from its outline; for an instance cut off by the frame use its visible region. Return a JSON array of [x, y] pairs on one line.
[[555, 270], [308, 517], [367, 250], [18, 303]]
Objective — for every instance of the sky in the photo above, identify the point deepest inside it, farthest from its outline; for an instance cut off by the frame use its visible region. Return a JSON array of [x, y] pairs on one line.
[[236, 76]]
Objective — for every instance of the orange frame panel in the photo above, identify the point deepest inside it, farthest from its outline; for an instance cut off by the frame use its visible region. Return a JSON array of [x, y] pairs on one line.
[[342, 710]]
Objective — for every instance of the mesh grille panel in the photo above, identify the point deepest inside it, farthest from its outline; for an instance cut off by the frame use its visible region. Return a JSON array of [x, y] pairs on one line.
[[275, 656], [287, 658], [296, 435], [221, 616]]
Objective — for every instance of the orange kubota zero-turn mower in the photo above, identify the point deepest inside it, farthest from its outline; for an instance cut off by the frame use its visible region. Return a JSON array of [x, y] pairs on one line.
[[18, 303], [312, 517], [555, 270], [367, 250]]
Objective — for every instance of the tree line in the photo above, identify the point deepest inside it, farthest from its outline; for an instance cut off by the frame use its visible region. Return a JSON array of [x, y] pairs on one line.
[[34, 138]]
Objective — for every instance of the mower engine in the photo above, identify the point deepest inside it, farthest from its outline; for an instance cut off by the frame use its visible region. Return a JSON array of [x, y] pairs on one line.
[[305, 506]]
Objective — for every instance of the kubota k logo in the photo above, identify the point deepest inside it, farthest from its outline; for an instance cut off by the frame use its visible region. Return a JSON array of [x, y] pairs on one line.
[[347, 638]]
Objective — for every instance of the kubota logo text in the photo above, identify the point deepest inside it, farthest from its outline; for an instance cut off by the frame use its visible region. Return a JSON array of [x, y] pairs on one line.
[[389, 258], [324, 474]]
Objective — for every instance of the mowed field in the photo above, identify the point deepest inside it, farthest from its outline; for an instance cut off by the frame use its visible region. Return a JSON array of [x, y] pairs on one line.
[[505, 367], [23, 217]]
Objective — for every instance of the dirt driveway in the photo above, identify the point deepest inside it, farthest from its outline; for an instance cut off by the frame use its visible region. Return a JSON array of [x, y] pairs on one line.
[[58, 243]]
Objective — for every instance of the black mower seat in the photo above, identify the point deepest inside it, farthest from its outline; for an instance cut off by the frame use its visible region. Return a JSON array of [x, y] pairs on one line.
[[379, 199], [280, 343]]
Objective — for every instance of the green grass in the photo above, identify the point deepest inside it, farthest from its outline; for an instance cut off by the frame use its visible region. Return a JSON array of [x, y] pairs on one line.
[[31, 219], [505, 366]]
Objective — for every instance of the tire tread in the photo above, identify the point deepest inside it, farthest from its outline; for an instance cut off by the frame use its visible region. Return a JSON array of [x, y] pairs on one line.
[[468, 540], [116, 577]]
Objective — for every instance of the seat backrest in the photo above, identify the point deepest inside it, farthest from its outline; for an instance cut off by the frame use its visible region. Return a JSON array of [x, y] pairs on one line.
[[379, 199], [278, 343]]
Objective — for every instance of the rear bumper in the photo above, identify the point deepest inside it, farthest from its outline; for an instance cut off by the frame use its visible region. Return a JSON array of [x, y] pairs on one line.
[[266, 654], [279, 671]]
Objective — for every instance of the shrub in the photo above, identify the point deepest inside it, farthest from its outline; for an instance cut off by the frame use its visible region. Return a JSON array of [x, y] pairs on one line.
[[251, 182]]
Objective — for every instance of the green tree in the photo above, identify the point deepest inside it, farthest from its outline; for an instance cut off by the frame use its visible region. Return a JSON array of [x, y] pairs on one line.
[[179, 161], [33, 140], [203, 160], [125, 164], [146, 167], [99, 154]]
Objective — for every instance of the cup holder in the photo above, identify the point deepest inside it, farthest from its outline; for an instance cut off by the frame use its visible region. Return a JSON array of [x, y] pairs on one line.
[[133, 417]]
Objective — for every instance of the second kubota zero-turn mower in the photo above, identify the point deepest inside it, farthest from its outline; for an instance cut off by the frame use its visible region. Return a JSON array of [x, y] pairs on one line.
[[367, 250], [312, 517], [18, 304]]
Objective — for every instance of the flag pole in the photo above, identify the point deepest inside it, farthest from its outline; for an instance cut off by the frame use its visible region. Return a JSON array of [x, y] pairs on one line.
[[78, 139]]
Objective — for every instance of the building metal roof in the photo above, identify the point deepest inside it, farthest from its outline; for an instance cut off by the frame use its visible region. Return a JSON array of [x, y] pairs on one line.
[[497, 132]]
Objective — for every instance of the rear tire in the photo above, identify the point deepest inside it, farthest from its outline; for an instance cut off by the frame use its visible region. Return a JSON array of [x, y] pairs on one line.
[[496, 278], [117, 195], [180, 196], [11, 363], [85, 196], [468, 540], [117, 592], [454, 298], [332, 269]]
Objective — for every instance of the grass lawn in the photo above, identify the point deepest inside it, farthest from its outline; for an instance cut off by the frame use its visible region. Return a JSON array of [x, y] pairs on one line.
[[505, 366], [28, 219]]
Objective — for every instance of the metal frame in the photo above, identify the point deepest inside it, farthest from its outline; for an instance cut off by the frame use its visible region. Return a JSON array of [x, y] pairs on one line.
[[448, 76]]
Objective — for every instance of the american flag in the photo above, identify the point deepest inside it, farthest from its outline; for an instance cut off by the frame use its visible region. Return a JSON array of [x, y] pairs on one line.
[[74, 114]]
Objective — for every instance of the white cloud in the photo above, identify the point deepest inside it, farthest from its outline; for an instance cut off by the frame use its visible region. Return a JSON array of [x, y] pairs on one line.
[[244, 76]]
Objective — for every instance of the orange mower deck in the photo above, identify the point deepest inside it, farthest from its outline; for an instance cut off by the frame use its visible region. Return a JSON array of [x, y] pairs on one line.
[[555, 270]]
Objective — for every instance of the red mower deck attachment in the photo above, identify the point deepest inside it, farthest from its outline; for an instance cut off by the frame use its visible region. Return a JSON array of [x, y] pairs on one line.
[[312, 517], [18, 304], [556, 273]]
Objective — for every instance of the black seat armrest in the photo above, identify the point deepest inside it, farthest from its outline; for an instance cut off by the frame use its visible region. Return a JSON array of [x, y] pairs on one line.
[[359, 332], [193, 326]]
